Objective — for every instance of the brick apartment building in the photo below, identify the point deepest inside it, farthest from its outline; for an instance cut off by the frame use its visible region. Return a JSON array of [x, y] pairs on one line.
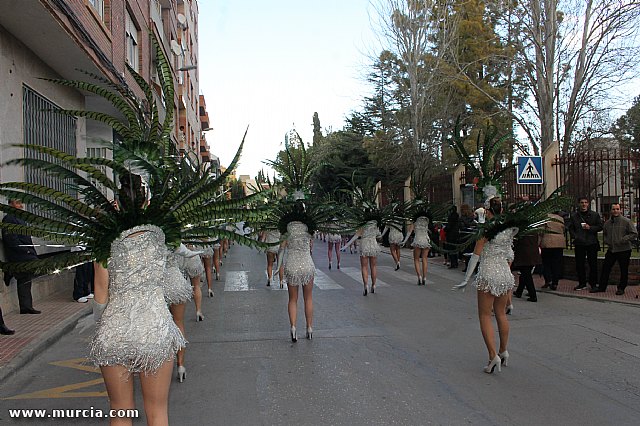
[[66, 38]]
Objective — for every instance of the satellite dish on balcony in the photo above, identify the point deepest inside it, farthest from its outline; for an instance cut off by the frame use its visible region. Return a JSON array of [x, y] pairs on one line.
[[176, 48], [182, 20]]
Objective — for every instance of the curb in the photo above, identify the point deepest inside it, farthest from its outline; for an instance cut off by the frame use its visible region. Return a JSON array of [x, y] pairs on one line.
[[38, 345], [555, 293]]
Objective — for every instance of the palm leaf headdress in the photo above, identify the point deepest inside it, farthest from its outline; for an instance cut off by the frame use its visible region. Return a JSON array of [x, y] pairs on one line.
[[489, 146]]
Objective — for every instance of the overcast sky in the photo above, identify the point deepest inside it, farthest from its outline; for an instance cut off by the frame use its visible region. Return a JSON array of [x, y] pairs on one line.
[[271, 65]]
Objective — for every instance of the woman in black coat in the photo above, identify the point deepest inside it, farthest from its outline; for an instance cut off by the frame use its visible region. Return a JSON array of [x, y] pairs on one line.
[[526, 257], [453, 236]]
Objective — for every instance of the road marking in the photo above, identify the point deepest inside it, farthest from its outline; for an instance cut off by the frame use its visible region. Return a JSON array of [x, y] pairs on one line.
[[356, 275], [66, 390], [237, 281], [324, 282]]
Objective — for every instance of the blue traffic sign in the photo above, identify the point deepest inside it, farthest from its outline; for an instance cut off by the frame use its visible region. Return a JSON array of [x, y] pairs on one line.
[[530, 170]]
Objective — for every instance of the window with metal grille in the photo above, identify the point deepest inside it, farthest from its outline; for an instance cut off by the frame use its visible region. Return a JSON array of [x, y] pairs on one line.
[[132, 42], [44, 127], [98, 152]]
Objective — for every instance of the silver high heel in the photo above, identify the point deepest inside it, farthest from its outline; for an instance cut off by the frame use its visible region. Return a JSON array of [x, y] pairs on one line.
[[495, 362], [199, 316], [504, 357], [309, 333], [210, 292], [294, 335], [509, 309], [182, 373]]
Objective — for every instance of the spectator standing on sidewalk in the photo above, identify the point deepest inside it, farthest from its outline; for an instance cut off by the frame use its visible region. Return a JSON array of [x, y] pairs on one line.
[[19, 248], [618, 235], [3, 327], [526, 257], [584, 225], [552, 247]]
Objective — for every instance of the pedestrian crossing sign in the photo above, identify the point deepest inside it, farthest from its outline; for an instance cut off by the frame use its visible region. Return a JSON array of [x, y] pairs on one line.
[[530, 170]]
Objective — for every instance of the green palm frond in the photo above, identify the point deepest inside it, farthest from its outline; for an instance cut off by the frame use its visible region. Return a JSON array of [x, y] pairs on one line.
[[48, 265], [52, 237], [115, 99], [61, 197]]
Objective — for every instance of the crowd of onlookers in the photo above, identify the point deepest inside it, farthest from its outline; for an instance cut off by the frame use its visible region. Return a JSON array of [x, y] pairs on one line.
[[584, 230]]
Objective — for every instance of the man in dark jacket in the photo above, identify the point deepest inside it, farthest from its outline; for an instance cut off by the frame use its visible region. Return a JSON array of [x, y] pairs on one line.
[[584, 225], [19, 248], [619, 232], [526, 257]]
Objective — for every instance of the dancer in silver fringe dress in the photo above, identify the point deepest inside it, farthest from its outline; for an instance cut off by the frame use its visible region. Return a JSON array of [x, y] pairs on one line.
[[396, 239], [177, 292], [333, 244], [494, 282], [369, 250], [421, 245], [133, 286], [207, 261], [271, 237], [299, 270], [194, 270]]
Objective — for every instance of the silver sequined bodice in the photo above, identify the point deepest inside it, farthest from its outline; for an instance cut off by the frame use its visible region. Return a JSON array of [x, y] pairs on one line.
[[368, 244], [421, 228], [136, 329], [494, 274], [298, 264]]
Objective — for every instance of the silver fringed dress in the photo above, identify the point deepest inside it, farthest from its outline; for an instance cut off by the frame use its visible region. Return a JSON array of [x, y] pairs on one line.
[[299, 268], [177, 288], [421, 229], [272, 236], [193, 267], [136, 329], [368, 243], [494, 274], [395, 236]]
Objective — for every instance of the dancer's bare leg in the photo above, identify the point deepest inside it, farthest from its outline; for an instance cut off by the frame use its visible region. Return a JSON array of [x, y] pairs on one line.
[[177, 312], [373, 265], [119, 384], [208, 264], [155, 394], [364, 270], [197, 293], [424, 256], [500, 309], [485, 305], [337, 249], [307, 295], [293, 304], [416, 261]]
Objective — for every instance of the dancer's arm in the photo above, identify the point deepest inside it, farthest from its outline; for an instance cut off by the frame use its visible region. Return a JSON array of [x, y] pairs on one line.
[[351, 241], [100, 290], [471, 267]]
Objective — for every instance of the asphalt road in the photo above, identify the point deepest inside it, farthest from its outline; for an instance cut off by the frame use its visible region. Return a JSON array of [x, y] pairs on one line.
[[406, 355]]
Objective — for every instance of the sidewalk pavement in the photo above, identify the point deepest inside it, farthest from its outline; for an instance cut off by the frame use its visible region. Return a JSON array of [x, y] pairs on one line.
[[34, 333], [631, 295], [60, 314]]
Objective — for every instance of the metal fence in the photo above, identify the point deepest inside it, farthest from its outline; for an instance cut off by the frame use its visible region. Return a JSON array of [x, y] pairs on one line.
[[605, 176]]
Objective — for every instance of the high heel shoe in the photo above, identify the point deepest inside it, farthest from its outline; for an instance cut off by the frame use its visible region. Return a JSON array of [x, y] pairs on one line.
[[364, 293], [182, 373], [397, 266], [373, 289], [424, 281], [329, 265], [504, 358], [338, 267], [495, 362], [419, 281], [309, 333], [294, 334], [509, 309], [268, 283], [199, 316], [217, 276], [210, 292]]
